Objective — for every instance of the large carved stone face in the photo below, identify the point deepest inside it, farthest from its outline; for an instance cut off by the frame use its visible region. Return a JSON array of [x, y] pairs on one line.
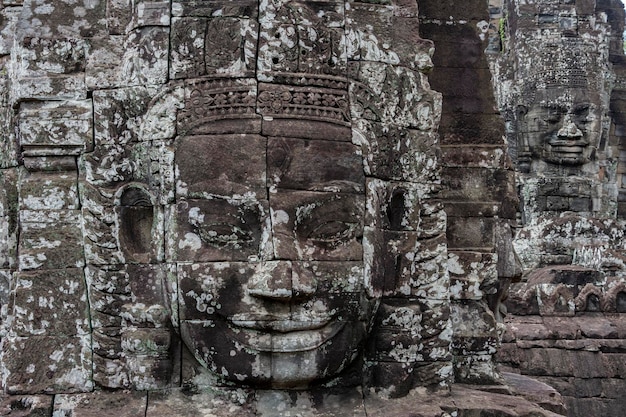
[[564, 130], [274, 293]]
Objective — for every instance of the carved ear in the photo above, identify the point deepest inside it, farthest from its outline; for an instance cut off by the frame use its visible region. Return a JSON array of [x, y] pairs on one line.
[[396, 209], [136, 221], [521, 111]]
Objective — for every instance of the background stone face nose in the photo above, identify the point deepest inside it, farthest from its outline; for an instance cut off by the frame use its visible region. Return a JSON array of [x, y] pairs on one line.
[[569, 129]]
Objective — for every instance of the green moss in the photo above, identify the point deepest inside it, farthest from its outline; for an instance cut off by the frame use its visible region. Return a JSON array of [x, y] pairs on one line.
[[502, 29]]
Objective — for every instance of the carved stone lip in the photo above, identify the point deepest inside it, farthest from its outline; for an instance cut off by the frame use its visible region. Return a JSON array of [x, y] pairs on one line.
[[567, 149], [285, 336], [569, 153], [281, 326]]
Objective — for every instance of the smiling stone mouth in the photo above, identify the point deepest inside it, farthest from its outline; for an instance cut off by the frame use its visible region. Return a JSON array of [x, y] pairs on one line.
[[567, 149], [281, 326], [284, 336]]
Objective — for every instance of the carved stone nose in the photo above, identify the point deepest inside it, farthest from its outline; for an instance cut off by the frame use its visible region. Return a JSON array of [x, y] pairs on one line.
[[272, 280], [569, 129]]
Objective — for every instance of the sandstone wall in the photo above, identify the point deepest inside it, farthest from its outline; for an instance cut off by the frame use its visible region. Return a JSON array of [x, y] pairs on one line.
[[478, 179]]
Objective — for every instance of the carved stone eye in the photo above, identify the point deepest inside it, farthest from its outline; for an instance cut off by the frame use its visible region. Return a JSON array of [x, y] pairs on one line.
[[136, 220], [333, 233]]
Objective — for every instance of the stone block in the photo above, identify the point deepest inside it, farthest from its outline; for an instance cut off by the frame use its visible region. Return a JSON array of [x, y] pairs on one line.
[[60, 78], [436, 319], [119, 14], [148, 373], [177, 403], [118, 115], [27, 405], [110, 373], [313, 112], [278, 40], [317, 226], [188, 46], [48, 191], [202, 8], [342, 401], [230, 46], [239, 161], [55, 16], [595, 406], [321, 39], [151, 13], [403, 264], [111, 280], [56, 128], [464, 127], [459, 83], [218, 106], [67, 368], [556, 203], [471, 233], [10, 17], [393, 153], [145, 59], [376, 33], [50, 302], [474, 327], [481, 185], [100, 233], [470, 272], [9, 218], [396, 377], [403, 98], [580, 204], [44, 247], [106, 342], [433, 219], [149, 289], [314, 165], [121, 404], [563, 327], [218, 230], [450, 10], [102, 68], [6, 286], [394, 206], [486, 157]]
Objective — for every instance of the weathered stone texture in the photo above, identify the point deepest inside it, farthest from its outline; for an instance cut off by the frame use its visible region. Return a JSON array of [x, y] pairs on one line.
[[246, 208]]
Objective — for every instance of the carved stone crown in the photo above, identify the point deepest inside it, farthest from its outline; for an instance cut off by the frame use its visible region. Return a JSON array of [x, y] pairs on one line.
[[283, 96]]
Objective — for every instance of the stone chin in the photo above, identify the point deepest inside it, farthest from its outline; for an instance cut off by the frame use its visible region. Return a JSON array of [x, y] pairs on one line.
[[251, 353]]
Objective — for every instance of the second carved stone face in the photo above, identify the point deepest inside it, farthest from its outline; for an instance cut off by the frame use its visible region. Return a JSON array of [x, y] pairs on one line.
[[272, 285], [565, 130]]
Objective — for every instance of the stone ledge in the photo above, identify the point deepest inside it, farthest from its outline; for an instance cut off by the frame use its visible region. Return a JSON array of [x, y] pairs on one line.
[[460, 401]]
